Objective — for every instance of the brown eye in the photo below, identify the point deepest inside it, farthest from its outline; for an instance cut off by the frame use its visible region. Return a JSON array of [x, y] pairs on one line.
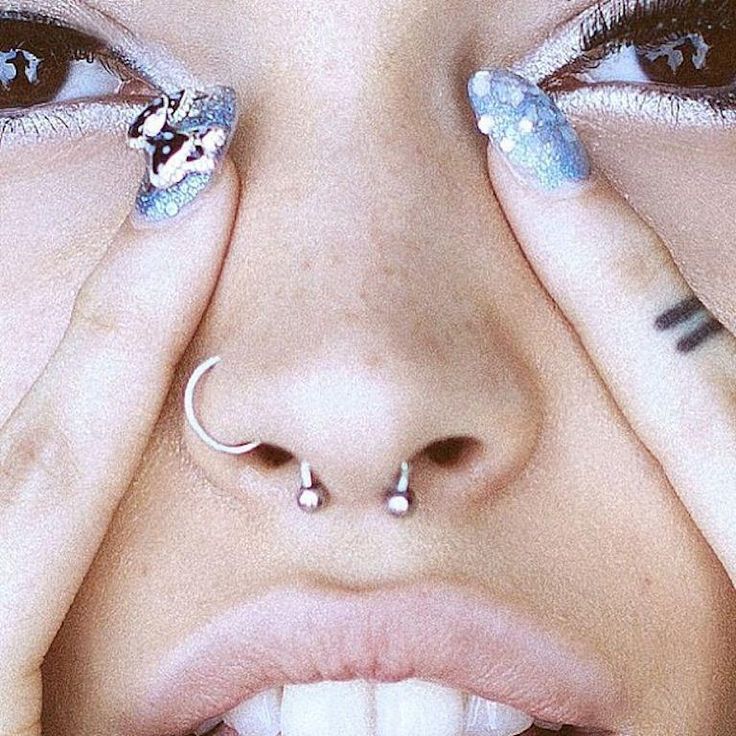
[[39, 62], [704, 59]]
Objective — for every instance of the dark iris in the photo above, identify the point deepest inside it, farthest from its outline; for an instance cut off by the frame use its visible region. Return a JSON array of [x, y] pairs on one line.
[[703, 59], [36, 60]]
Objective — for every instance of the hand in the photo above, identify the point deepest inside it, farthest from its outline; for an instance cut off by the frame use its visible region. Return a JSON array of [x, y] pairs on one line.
[[71, 448], [667, 362]]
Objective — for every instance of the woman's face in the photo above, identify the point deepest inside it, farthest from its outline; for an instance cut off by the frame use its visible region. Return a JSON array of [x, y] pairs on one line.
[[374, 307]]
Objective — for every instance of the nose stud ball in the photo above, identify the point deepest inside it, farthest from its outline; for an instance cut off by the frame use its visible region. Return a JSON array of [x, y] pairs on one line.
[[312, 495], [399, 498]]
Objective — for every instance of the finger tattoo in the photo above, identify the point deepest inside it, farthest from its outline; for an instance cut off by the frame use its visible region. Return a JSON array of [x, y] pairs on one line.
[[695, 318]]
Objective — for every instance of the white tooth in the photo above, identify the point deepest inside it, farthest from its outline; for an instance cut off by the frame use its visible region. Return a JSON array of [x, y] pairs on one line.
[[486, 718], [258, 716], [327, 709], [418, 708], [207, 726]]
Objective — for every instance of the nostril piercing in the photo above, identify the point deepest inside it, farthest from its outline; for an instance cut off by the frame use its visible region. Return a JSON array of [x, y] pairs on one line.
[[312, 494], [194, 422], [400, 498]]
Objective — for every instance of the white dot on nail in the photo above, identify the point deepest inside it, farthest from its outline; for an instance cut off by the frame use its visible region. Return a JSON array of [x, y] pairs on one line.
[[485, 124], [526, 125], [507, 145], [172, 209], [482, 84]]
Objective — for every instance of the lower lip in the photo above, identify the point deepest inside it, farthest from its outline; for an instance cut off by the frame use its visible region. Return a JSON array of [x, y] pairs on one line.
[[444, 635]]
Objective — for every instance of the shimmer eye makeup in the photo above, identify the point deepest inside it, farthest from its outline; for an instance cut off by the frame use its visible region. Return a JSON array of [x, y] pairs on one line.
[[671, 61], [67, 70]]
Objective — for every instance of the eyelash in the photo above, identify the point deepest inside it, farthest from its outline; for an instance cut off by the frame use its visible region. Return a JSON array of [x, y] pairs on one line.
[[116, 49], [626, 23], [641, 21]]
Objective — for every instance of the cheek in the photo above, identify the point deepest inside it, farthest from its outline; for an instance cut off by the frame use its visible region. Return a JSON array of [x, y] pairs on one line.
[[682, 183], [60, 207]]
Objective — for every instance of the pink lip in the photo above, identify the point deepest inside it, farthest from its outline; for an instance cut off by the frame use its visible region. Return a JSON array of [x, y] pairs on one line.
[[434, 633]]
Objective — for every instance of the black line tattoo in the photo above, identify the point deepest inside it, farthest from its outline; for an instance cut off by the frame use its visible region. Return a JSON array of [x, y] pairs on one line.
[[679, 313], [685, 311], [698, 337]]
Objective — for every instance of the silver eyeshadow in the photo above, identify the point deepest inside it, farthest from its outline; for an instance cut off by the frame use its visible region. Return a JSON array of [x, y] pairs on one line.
[[73, 120], [639, 102], [153, 64]]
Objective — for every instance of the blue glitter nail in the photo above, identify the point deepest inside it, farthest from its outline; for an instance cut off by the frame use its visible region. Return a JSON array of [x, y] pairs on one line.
[[184, 137], [528, 128]]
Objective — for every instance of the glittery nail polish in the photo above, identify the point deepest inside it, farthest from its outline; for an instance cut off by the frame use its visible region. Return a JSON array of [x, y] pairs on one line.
[[184, 137], [526, 126]]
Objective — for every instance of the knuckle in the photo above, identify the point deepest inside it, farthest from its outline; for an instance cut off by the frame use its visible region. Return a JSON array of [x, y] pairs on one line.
[[98, 315], [34, 462]]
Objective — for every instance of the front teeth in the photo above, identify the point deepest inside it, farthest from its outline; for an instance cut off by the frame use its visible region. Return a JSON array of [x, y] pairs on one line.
[[260, 715], [486, 718], [327, 708], [360, 708], [418, 707]]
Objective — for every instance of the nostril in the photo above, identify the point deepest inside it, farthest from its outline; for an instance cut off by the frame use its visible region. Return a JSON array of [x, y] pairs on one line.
[[271, 457], [452, 451]]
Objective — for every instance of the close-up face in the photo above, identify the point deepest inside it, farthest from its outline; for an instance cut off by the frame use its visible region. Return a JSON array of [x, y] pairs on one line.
[[384, 337]]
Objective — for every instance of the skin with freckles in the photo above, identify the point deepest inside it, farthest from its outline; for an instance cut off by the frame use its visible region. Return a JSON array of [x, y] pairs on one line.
[[375, 301]]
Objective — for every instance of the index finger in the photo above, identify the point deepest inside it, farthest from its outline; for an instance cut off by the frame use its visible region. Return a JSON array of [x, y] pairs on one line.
[[69, 451], [669, 364]]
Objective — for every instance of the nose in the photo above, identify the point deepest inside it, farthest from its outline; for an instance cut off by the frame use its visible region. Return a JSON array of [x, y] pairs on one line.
[[461, 434], [365, 314]]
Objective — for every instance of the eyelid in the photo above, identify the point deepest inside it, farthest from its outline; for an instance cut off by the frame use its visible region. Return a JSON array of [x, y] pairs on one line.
[[80, 118], [565, 44], [152, 63], [628, 101]]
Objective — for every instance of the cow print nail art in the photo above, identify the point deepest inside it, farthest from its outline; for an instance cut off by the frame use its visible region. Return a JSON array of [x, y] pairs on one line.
[[184, 137]]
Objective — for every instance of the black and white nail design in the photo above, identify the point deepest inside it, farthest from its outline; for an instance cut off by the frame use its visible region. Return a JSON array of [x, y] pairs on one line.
[[184, 138]]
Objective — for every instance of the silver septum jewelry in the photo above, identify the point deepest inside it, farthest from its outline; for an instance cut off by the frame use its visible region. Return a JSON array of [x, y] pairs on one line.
[[399, 498], [312, 495]]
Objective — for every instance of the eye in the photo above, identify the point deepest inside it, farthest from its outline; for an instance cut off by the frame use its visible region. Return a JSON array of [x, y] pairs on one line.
[[694, 60], [42, 62], [681, 51]]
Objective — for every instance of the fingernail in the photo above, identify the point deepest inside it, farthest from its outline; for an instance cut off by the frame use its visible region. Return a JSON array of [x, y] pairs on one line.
[[184, 137], [528, 129]]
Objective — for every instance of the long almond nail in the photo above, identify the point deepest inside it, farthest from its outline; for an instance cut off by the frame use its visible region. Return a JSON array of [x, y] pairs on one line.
[[528, 129]]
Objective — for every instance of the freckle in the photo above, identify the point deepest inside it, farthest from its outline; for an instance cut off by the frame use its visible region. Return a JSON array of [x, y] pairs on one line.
[[373, 360], [307, 265]]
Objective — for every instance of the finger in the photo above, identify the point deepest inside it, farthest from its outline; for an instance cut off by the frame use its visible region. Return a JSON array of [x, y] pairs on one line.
[[669, 364], [69, 451]]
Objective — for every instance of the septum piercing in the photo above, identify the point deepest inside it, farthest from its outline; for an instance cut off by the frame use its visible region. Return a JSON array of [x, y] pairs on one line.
[[312, 495], [400, 499]]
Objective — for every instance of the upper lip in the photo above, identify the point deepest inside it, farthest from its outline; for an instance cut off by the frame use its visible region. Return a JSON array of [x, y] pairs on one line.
[[441, 633]]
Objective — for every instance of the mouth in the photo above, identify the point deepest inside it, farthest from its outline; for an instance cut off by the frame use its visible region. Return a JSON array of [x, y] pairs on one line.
[[424, 659]]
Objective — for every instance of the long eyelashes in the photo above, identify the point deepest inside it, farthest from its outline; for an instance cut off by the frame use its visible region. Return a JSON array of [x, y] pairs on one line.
[[701, 324]]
